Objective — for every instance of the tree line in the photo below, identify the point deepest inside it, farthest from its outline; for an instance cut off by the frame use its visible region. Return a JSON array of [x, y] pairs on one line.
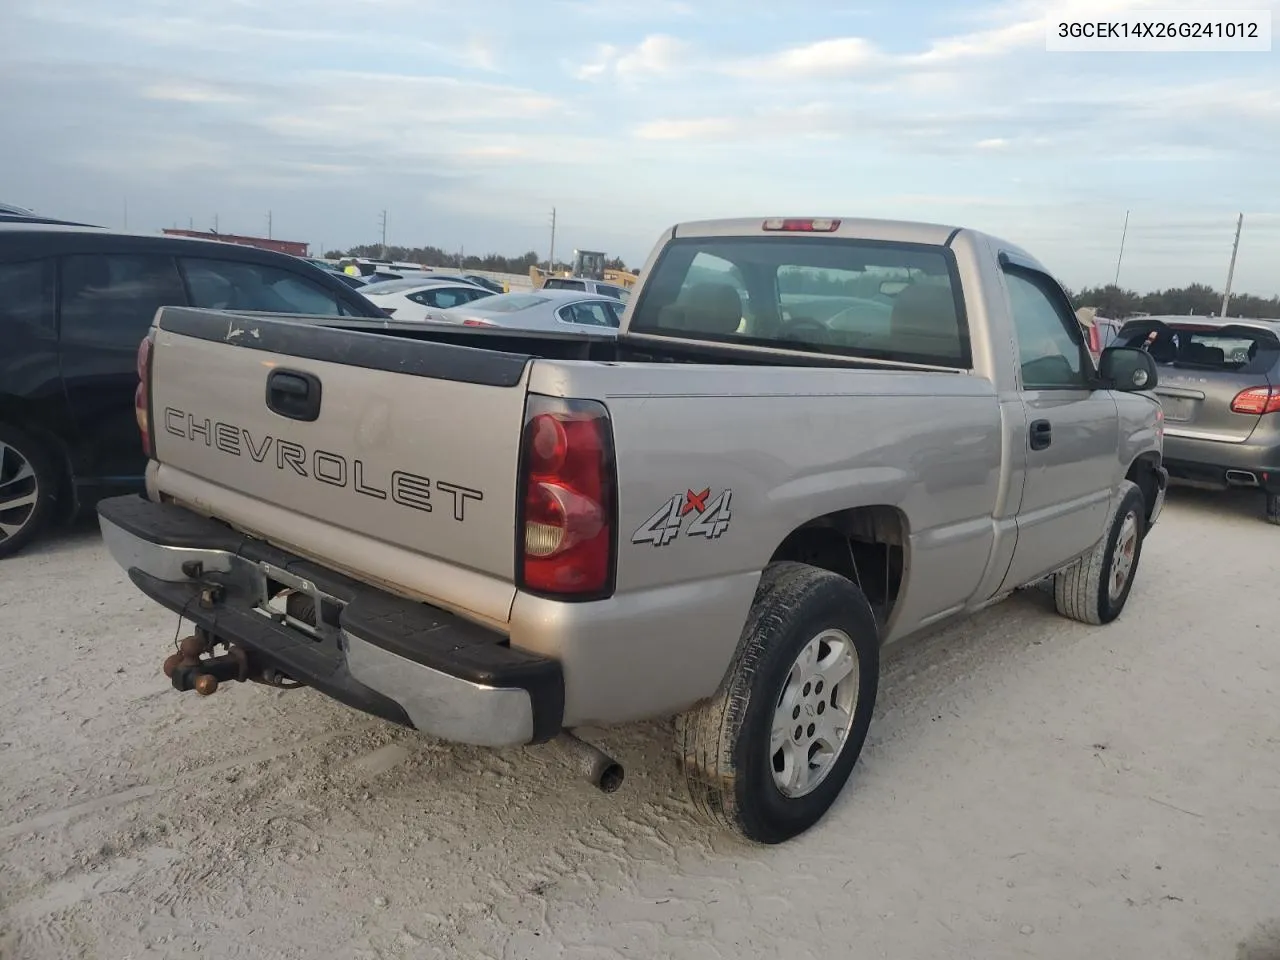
[[1198, 298], [436, 257]]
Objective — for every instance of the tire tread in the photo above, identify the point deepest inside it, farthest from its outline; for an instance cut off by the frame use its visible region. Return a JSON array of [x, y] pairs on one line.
[[1077, 590]]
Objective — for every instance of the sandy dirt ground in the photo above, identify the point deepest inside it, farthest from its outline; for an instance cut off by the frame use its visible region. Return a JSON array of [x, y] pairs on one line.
[[1031, 788]]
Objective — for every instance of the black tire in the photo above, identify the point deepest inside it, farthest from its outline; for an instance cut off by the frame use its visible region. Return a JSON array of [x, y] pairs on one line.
[[723, 743], [1273, 508], [1082, 591], [20, 453]]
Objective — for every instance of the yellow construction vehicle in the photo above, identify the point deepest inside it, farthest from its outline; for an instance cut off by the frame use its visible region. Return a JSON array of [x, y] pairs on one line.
[[587, 265]]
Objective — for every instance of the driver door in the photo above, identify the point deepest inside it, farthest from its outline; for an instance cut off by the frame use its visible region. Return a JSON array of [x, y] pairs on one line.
[[1070, 435]]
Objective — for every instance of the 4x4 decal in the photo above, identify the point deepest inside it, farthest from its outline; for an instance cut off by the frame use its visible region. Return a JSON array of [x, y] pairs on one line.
[[710, 518]]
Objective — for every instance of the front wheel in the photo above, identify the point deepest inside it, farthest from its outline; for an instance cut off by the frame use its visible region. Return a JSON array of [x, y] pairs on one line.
[[769, 754], [1096, 587]]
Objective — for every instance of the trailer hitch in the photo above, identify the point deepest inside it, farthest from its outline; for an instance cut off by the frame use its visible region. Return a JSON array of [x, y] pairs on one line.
[[196, 667]]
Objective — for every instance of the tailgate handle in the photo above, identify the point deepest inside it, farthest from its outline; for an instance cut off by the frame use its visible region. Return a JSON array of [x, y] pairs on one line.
[[294, 394]]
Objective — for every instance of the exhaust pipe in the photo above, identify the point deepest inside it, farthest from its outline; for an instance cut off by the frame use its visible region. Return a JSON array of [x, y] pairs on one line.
[[1242, 478], [593, 764]]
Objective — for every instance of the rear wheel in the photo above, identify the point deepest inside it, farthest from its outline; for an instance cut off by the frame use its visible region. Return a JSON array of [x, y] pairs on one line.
[[1096, 587], [1273, 508], [28, 488], [769, 754]]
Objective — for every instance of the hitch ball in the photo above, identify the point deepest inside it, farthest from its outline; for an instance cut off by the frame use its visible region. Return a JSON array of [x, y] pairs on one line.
[[206, 685], [172, 663]]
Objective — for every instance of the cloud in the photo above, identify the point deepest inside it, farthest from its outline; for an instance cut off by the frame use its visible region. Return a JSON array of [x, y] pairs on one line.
[[838, 56], [449, 117], [703, 128], [657, 55], [185, 91], [482, 53], [627, 11]]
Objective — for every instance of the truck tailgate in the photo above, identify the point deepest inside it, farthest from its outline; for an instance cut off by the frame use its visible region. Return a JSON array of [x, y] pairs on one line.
[[411, 443]]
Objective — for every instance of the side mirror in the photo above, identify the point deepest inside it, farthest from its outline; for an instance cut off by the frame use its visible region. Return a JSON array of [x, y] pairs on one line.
[[891, 288], [1128, 369]]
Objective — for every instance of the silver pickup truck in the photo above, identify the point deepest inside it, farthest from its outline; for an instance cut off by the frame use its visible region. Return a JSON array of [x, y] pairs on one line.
[[811, 438]]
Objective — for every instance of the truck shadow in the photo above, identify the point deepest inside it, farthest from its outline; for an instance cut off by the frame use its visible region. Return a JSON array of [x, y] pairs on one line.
[[1236, 502]]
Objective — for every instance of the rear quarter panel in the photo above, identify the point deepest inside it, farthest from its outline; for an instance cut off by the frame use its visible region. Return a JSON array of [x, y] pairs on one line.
[[791, 445]]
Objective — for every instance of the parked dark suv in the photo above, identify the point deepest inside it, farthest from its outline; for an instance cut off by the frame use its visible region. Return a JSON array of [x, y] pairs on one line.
[[74, 304]]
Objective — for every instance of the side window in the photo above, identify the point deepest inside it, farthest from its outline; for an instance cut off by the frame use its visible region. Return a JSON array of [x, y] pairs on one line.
[[442, 298], [228, 285], [111, 299], [26, 296], [588, 315], [1050, 356], [617, 309], [560, 283]]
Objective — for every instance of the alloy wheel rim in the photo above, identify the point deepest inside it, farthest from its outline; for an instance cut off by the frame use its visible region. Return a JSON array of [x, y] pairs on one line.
[[814, 713], [19, 492], [1123, 556]]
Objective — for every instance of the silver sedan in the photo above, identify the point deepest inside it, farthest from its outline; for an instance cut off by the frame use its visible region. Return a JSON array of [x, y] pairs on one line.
[[563, 310]]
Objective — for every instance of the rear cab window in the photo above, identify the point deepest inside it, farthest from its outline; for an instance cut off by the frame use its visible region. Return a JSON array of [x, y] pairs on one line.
[[836, 296]]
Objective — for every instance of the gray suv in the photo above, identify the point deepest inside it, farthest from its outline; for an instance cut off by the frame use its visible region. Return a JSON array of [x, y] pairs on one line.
[[1220, 390]]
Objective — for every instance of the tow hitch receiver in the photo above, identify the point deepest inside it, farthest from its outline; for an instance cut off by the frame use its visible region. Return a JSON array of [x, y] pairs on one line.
[[195, 667]]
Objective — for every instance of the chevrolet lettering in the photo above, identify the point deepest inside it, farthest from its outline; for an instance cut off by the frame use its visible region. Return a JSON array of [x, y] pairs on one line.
[[399, 486]]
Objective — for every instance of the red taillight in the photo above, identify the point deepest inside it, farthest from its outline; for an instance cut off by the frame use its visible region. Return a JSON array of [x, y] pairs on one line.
[[476, 323], [142, 395], [1257, 401], [567, 499], [788, 225]]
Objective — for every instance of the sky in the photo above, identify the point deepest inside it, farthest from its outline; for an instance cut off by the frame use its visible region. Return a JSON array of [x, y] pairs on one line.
[[469, 121]]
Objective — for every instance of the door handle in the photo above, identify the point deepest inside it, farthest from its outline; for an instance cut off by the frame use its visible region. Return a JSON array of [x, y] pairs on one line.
[[294, 394], [1040, 434]]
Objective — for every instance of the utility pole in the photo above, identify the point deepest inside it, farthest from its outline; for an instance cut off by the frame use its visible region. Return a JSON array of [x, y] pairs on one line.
[[268, 224], [551, 257], [384, 234], [191, 223], [1231, 270], [215, 225], [1123, 233]]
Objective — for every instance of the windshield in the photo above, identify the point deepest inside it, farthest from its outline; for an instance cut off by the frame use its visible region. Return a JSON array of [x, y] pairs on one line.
[[891, 301]]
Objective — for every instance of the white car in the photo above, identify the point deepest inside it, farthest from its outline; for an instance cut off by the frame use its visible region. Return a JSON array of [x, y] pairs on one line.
[[419, 299]]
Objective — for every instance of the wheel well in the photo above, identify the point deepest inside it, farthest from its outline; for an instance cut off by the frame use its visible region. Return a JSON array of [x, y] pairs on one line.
[[865, 544], [1143, 472], [60, 456]]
